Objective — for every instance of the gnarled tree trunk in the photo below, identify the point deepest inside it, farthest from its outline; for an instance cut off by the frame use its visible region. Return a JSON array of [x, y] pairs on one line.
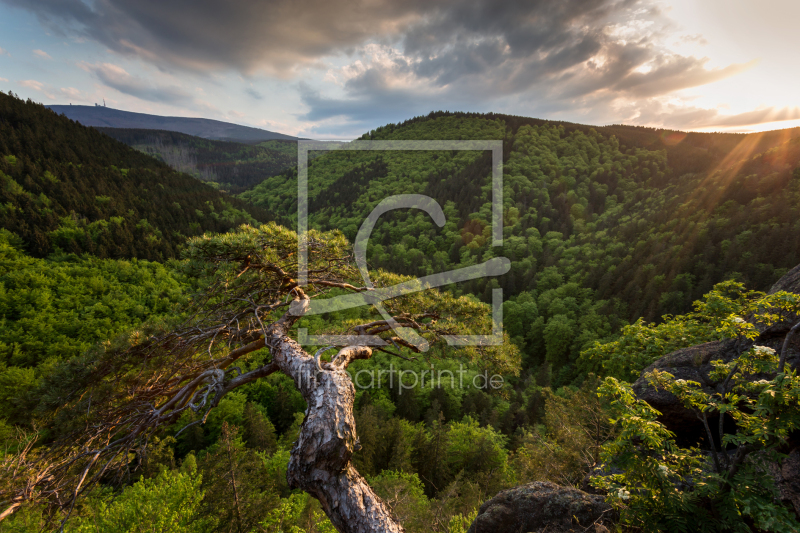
[[320, 459]]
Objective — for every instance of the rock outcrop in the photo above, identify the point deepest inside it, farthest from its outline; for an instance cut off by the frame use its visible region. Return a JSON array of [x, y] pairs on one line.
[[544, 507], [789, 283], [541, 507], [787, 479], [693, 364]]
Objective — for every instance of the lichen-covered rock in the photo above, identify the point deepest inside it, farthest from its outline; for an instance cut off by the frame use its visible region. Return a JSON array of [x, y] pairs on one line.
[[542, 507]]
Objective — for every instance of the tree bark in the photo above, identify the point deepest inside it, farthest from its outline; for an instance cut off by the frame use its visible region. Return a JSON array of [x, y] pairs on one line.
[[320, 459]]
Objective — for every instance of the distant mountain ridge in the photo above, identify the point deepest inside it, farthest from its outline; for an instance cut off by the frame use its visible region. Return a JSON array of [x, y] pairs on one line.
[[68, 187], [106, 117]]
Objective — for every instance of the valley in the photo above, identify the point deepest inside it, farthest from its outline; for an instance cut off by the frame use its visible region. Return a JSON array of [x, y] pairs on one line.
[[131, 261]]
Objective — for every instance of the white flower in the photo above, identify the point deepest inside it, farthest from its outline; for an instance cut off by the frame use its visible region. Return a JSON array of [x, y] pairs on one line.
[[738, 320], [623, 494], [761, 382], [763, 351], [664, 469]]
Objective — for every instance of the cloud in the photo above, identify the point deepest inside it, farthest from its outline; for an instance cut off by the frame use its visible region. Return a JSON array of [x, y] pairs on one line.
[[690, 117], [73, 95], [147, 89], [585, 56], [3, 79], [758, 116], [4, 52], [42, 54], [38, 86], [236, 114], [673, 73], [365, 105], [693, 39], [591, 57], [118, 78], [246, 35], [252, 93]]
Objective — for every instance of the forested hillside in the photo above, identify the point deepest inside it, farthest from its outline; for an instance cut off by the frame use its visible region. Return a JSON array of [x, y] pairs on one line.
[[603, 225], [606, 228], [69, 187], [230, 166]]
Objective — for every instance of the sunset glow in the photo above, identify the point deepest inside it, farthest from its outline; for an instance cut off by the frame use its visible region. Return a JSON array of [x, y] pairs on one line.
[[337, 70]]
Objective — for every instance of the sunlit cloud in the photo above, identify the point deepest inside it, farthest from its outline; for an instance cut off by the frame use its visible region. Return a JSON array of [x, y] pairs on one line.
[[118, 78], [42, 54], [38, 86], [680, 115], [341, 68], [758, 116], [74, 95]]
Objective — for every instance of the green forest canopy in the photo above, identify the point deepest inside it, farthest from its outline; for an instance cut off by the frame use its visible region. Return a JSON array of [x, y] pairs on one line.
[[69, 187], [230, 166], [604, 226]]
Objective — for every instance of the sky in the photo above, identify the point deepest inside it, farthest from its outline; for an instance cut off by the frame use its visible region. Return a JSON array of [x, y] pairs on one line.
[[334, 69]]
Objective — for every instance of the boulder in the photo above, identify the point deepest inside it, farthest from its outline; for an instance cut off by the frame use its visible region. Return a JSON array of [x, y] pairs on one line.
[[694, 364], [789, 282], [691, 364], [787, 479], [543, 507]]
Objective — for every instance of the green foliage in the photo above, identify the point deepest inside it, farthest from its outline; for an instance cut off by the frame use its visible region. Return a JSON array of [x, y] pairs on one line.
[[652, 466], [231, 166], [718, 315], [623, 217], [666, 487], [477, 452], [566, 446], [642, 343], [56, 308], [237, 497], [405, 495], [166, 503], [283, 518], [65, 186], [602, 226], [259, 433]]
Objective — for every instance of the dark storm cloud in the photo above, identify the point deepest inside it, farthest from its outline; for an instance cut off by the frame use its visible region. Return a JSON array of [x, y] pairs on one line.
[[568, 54], [576, 54], [246, 35], [473, 36]]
